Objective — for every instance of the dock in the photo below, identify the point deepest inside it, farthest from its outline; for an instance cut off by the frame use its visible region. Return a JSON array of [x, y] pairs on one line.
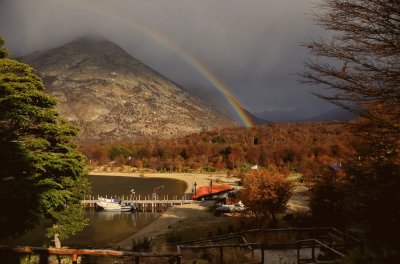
[[145, 203]]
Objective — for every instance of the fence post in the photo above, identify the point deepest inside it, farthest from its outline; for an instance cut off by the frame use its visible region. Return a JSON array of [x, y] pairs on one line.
[[298, 252], [313, 251], [262, 254], [137, 260], [74, 258], [221, 255]]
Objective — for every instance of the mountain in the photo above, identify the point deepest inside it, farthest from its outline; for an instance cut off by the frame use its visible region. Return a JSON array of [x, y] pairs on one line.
[[281, 116], [335, 114], [255, 119], [113, 96]]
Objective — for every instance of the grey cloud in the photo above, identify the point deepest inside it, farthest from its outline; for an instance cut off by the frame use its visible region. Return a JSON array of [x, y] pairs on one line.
[[252, 45]]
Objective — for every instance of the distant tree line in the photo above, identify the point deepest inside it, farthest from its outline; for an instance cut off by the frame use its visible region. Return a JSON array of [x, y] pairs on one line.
[[291, 145]]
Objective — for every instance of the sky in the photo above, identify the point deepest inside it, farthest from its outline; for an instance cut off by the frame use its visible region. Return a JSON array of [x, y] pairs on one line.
[[252, 46]]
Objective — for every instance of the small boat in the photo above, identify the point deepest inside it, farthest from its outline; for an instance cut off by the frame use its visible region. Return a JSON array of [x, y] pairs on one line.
[[115, 205], [128, 207], [108, 204]]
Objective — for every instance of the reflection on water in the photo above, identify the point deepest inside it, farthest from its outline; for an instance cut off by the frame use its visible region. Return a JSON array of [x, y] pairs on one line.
[[107, 228]]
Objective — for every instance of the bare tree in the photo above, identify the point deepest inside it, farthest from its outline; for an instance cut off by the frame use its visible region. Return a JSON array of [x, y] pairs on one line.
[[360, 60]]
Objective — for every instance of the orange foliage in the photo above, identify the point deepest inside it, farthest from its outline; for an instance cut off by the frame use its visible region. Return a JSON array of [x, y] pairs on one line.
[[293, 145], [266, 193]]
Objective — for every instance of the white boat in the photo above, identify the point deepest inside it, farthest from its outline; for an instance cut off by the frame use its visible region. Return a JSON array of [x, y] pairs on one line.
[[115, 205], [108, 204]]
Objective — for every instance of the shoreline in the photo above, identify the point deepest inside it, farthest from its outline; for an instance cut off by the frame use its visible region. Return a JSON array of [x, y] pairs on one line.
[[201, 179], [175, 214]]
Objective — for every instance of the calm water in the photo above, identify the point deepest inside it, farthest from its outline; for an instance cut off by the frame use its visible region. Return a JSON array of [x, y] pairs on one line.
[[143, 186], [107, 228]]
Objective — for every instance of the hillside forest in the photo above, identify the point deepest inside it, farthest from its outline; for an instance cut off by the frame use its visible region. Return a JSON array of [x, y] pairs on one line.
[[292, 147]]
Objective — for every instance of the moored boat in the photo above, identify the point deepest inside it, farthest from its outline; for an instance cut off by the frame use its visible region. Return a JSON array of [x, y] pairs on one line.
[[128, 207], [115, 205], [108, 204]]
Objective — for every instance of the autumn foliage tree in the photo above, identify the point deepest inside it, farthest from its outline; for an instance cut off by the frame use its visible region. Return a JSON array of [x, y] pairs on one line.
[[360, 64], [292, 145], [266, 193]]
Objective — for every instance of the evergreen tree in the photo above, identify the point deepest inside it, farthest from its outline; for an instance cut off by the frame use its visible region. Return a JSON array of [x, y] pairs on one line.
[[42, 174]]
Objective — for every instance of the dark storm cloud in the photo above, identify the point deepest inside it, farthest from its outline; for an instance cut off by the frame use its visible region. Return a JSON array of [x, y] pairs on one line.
[[252, 45]]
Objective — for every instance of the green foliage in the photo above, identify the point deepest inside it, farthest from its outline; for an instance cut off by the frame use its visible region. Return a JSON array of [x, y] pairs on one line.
[[42, 173], [143, 244], [68, 222], [119, 151], [3, 50]]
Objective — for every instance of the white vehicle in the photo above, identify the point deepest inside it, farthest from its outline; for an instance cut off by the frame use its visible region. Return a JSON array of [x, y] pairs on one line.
[[227, 208]]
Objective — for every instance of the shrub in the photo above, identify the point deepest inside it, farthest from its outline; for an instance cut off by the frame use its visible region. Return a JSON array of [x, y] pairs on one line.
[[140, 245], [174, 237]]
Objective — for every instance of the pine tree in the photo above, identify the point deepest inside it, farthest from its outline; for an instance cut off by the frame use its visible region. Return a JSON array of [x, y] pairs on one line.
[[42, 174]]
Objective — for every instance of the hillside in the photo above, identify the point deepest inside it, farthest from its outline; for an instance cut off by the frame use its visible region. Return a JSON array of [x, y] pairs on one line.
[[113, 96]]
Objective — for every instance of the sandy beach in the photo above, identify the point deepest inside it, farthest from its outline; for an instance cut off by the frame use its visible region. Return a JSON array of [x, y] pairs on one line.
[[193, 215], [201, 179], [177, 216]]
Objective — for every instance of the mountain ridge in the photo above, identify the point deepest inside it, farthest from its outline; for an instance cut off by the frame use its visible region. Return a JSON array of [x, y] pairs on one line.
[[111, 95]]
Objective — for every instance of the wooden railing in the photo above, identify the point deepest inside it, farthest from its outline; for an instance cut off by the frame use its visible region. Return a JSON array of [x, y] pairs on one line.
[[331, 240], [313, 244], [267, 237], [74, 253], [221, 258]]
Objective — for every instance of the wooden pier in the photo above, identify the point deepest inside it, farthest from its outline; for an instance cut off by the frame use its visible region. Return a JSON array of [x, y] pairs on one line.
[[145, 203]]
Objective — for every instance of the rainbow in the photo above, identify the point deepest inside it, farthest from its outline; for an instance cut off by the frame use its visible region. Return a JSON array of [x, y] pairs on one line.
[[198, 65]]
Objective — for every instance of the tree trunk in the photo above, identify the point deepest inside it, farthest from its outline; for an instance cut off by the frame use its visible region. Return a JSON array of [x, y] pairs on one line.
[[274, 221], [57, 242]]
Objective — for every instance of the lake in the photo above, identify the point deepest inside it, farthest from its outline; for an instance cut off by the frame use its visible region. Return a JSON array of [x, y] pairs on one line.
[[107, 228]]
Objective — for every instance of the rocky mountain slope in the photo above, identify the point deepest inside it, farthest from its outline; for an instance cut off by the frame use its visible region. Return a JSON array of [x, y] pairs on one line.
[[112, 96]]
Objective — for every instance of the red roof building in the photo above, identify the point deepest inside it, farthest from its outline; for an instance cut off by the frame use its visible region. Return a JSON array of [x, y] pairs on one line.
[[211, 190]]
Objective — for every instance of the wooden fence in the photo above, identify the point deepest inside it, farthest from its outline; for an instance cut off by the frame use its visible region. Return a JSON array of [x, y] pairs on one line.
[[74, 253], [313, 244], [221, 258]]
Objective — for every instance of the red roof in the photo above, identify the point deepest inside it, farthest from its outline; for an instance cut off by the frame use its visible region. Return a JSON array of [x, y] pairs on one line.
[[208, 190]]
